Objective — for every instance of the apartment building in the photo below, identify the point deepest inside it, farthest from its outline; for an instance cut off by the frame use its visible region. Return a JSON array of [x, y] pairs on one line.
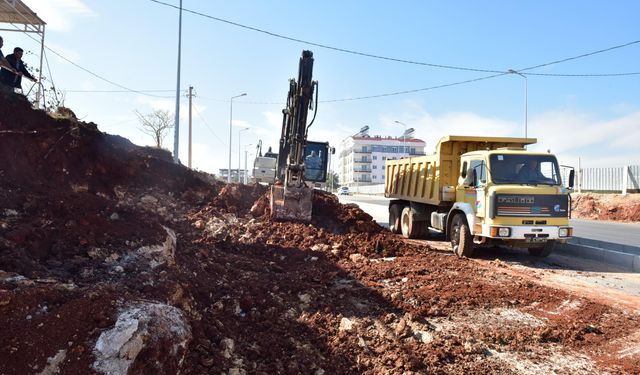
[[362, 157]]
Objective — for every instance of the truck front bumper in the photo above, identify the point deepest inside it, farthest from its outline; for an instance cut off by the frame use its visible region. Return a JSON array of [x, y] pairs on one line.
[[527, 233]]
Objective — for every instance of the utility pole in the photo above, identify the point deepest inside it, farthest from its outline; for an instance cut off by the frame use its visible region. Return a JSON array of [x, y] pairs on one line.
[[176, 134], [190, 103]]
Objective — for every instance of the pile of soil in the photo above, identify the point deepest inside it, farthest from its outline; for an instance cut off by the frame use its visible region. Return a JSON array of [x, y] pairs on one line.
[[115, 260], [613, 207]]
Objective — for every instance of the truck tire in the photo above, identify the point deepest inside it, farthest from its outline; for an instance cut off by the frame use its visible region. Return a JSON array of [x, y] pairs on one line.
[[461, 240], [410, 228], [394, 219], [543, 252]]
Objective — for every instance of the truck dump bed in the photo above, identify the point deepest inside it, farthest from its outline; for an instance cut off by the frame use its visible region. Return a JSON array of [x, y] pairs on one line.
[[420, 179]]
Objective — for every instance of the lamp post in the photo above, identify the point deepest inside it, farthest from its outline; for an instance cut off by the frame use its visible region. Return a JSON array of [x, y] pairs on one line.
[[245, 163], [511, 71], [404, 135], [231, 132], [240, 152]]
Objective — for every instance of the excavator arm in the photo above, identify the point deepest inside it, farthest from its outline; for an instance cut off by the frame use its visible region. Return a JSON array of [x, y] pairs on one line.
[[290, 197]]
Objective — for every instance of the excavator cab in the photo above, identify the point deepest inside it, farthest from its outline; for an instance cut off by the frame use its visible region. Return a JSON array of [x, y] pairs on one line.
[[298, 160]]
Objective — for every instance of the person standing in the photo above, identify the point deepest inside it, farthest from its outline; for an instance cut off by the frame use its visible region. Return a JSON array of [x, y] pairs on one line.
[[3, 62], [13, 78]]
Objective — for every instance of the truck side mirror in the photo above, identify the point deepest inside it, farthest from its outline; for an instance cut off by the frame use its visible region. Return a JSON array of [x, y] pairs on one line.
[[572, 175]]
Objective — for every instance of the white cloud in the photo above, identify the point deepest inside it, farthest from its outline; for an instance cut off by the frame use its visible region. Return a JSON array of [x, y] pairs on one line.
[[568, 134], [60, 14]]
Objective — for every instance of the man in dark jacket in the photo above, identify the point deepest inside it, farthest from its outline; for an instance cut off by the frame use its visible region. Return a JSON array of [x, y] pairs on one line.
[[11, 79]]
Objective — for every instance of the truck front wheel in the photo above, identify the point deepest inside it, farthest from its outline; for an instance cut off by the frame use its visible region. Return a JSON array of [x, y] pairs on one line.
[[543, 252], [461, 240], [394, 219]]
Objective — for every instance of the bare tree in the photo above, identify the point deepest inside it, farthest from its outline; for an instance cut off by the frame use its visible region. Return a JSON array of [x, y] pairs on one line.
[[156, 124]]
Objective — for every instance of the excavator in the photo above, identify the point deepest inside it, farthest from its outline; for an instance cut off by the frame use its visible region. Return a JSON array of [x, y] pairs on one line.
[[299, 163]]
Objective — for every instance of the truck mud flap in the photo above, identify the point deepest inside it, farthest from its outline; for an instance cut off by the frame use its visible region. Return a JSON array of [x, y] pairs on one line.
[[291, 203]]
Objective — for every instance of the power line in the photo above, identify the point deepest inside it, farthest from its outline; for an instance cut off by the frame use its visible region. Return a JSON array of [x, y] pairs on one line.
[[327, 46], [411, 61], [87, 70], [415, 90], [208, 127]]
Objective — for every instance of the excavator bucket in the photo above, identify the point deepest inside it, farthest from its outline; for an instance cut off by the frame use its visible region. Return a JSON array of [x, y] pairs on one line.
[[291, 203]]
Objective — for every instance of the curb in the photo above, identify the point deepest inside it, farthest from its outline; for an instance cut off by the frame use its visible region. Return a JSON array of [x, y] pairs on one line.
[[628, 261]]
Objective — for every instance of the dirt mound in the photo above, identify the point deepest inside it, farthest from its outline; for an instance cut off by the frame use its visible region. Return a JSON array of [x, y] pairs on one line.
[[613, 207], [112, 257]]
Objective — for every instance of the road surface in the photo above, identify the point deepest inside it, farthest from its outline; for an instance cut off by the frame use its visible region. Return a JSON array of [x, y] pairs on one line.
[[585, 277]]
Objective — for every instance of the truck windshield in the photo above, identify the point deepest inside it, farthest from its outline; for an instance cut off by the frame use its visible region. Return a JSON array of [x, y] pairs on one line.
[[524, 169]]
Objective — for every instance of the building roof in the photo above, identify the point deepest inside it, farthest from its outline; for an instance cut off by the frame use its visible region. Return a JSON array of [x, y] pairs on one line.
[[379, 139], [15, 11]]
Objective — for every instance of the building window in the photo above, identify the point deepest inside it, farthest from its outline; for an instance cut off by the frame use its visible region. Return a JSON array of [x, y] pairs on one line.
[[384, 158], [375, 177], [374, 157], [374, 167]]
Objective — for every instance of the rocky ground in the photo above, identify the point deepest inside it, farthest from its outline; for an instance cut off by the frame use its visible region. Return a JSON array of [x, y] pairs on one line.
[[114, 260]]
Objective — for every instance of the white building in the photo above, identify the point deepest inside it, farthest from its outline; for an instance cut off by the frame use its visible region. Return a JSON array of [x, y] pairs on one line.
[[362, 157]]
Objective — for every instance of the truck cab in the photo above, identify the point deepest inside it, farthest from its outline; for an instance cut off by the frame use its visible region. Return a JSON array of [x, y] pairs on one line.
[[512, 196]]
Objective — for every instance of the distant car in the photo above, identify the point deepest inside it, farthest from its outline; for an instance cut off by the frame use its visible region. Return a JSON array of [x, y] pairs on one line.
[[344, 190]]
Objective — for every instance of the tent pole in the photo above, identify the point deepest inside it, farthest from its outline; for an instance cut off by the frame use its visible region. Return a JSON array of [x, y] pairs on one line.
[[40, 93]]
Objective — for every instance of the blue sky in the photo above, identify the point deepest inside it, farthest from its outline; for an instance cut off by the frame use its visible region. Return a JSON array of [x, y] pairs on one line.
[[134, 43]]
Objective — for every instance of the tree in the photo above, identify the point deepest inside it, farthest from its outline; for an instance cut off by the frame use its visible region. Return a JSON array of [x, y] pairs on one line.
[[156, 124], [333, 180]]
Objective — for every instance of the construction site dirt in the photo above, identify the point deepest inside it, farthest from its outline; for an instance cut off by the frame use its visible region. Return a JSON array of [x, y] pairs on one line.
[[115, 260]]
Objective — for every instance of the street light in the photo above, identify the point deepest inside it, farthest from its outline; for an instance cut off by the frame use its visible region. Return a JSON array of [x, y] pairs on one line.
[[231, 131], [239, 152], [245, 163], [511, 71], [404, 135]]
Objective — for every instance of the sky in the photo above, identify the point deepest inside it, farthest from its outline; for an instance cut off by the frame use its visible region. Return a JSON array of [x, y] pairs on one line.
[[125, 56]]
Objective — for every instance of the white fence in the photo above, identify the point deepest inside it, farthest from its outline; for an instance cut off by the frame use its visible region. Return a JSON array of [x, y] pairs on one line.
[[624, 180]]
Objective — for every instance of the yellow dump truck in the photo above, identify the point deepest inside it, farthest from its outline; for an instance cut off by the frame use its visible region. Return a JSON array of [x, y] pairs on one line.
[[481, 191]]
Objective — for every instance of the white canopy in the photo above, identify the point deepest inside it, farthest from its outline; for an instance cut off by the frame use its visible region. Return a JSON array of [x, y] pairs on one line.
[[23, 19]]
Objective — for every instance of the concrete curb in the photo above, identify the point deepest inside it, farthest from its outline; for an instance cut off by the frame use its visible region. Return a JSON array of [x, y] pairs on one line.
[[628, 261]]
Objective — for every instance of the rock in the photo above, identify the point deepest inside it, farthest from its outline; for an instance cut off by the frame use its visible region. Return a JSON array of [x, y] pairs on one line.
[[227, 345], [423, 336], [401, 327], [5, 297], [396, 296], [53, 363], [114, 216], [346, 325], [149, 200], [319, 372], [355, 258], [161, 254], [199, 224], [304, 298], [160, 330], [118, 269]]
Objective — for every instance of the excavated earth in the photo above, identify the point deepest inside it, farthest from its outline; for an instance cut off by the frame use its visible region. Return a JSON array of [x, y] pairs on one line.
[[614, 207], [114, 260]]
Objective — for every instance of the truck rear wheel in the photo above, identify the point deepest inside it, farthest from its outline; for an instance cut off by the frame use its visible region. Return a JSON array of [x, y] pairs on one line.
[[543, 252], [461, 240], [394, 219], [410, 228]]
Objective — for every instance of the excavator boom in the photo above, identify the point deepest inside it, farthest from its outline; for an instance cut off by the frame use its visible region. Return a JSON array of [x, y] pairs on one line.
[[290, 197]]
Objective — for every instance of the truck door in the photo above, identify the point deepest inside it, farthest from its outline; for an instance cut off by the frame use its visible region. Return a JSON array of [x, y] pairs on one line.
[[475, 182]]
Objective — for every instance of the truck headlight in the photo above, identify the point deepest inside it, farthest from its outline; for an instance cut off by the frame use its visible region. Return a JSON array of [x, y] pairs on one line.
[[500, 232], [565, 232]]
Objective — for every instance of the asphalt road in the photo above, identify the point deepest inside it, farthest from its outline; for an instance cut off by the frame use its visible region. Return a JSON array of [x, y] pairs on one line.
[[605, 231]]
